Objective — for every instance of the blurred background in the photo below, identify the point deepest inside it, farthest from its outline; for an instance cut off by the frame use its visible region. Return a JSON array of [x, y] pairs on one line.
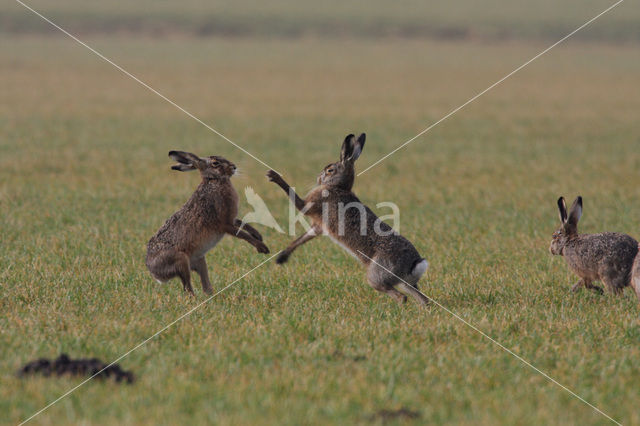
[[457, 20]]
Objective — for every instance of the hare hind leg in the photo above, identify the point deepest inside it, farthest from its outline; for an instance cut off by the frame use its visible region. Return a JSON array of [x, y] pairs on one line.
[[588, 284], [412, 290], [380, 273], [380, 280], [614, 285], [410, 284], [390, 291], [169, 264], [200, 266]]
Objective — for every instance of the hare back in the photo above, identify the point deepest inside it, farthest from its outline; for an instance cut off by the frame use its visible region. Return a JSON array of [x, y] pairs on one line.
[[607, 256]]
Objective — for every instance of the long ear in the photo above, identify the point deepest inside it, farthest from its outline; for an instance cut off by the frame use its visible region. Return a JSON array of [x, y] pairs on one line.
[[347, 147], [576, 212], [562, 208], [183, 167], [358, 147], [187, 160]]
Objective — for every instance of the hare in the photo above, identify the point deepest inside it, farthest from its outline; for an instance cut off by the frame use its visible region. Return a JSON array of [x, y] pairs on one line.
[[392, 261], [181, 244], [606, 257]]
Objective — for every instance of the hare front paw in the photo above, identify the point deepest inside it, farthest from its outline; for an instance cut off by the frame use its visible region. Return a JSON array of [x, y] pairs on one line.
[[262, 248], [282, 257], [274, 176]]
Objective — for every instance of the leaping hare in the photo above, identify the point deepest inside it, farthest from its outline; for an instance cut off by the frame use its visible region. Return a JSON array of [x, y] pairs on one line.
[[392, 261], [606, 257], [181, 244]]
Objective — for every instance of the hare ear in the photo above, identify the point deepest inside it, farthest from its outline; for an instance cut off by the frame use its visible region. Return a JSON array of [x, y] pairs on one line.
[[347, 148], [576, 212], [562, 208], [358, 147], [183, 167], [187, 160]]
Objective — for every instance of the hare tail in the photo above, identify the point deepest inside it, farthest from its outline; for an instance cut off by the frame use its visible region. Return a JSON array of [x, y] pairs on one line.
[[419, 268]]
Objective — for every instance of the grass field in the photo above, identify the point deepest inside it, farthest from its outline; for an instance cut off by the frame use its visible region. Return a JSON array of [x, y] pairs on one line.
[[85, 181]]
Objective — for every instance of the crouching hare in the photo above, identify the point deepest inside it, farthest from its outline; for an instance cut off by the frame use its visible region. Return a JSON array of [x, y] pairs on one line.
[[606, 257], [392, 261], [179, 247]]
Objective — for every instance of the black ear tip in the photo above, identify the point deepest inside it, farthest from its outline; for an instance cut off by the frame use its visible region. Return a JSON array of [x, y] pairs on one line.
[[176, 167], [579, 199], [349, 137], [362, 137], [172, 153]]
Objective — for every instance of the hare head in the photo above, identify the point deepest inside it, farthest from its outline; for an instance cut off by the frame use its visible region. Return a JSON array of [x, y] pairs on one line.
[[212, 167], [342, 174], [569, 225]]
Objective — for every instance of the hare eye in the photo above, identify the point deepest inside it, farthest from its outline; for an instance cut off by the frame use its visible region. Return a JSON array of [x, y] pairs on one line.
[[330, 171], [216, 163]]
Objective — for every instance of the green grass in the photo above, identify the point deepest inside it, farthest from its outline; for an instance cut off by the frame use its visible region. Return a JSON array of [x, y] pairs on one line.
[[85, 181]]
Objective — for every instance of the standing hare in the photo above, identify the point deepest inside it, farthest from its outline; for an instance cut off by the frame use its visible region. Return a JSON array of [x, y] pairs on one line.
[[606, 257], [392, 261], [181, 244]]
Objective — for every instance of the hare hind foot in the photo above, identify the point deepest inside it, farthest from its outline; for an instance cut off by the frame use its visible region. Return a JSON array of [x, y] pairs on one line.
[[399, 297], [577, 286], [384, 281], [596, 289], [390, 291], [588, 285]]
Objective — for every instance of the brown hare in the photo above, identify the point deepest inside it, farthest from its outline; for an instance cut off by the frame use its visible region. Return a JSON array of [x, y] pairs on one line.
[[181, 244], [606, 257], [392, 261]]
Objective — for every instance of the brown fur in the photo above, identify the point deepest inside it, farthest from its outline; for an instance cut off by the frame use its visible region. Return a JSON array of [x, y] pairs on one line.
[[606, 257], [390, 259], [182, 242]]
